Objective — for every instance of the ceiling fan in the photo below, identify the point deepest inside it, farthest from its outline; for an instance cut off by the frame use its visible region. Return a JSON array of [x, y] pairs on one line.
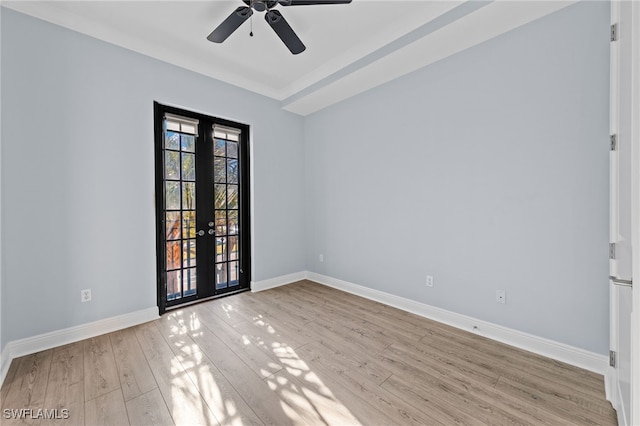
[[273, 17]]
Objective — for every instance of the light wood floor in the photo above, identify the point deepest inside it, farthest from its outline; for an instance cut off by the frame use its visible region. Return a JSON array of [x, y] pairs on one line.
[[300, 354]]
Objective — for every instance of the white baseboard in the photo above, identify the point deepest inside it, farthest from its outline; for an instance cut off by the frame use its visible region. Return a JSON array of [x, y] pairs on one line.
[[56, 338], [5, 362], [277, 281], [549, 348], [609, 385]]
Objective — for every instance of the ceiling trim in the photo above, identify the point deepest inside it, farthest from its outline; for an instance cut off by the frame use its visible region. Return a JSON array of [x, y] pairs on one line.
[[471, 26], [459, 10]]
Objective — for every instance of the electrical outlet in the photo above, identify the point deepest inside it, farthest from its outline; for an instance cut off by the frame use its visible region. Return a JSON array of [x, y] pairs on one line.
[[429, 280], [321, 258], [501, 296], [85, 295]]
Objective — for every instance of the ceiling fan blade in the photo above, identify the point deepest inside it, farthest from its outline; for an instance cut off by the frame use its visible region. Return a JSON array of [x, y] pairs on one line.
[[229, 25], [284, 31], [311, 2]]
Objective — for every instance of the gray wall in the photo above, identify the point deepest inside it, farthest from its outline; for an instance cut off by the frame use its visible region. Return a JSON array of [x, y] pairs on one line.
[[488, 170], [78, 174]]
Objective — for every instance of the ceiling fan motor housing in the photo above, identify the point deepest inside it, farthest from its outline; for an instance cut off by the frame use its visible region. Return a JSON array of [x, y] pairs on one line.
[[261, 5]]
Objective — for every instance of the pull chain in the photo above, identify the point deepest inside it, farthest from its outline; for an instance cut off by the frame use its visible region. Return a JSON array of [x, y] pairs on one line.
[[251, 33]]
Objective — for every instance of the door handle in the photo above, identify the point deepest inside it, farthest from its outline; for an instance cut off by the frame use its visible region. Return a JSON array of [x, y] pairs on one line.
[[620, 281], [201, 233]]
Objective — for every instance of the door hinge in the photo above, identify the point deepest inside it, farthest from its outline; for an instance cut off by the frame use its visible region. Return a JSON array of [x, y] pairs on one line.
[[614, 32], [612, 359], [612, 250], [614, 142]]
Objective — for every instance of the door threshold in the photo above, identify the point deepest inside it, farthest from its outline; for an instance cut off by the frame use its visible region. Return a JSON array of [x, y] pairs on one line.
[[193, 302]]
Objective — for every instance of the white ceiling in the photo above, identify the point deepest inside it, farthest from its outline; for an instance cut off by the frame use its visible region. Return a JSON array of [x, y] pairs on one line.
[[350, 48]]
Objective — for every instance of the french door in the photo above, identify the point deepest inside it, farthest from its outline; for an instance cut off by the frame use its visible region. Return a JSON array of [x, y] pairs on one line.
[[202, 205]]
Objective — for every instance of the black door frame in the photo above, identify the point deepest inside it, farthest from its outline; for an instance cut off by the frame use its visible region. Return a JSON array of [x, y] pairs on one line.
[[244, 200]]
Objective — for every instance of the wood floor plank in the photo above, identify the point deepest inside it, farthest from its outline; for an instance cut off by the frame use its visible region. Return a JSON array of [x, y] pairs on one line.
[[269, 333], [358, 336], [584, 378], [176, 334], [65, 388], [8, 380], [232, 311], [280, 321], [280, 308], [262, 360], [477, 387], [502, 359], [440, 405], [356, 314], [433, 361], [310, 398], [149, 409], [30, 381], [267, 406], [344, 350], [107, 409], [359, 408], [135, 375], [180, 394], [569, 412], [219, 394], [100, 371], [368, 402]]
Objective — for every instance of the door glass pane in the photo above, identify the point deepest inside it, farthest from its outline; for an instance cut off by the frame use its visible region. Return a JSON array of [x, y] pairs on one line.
[[219, 170], [172, 195], [220, 196], [172, 165], [233, 273], [189, 224], [189, 279], [173, 285], [232, 149], [172, 224], [233, 248], [221, 222], [232, 171], [172, 140], [221, 249], [233, 222], [188, 143], [188, 253], [221, 275], [173, 254], [232, 196], [189, 195], [188, 166], [219, 148]]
